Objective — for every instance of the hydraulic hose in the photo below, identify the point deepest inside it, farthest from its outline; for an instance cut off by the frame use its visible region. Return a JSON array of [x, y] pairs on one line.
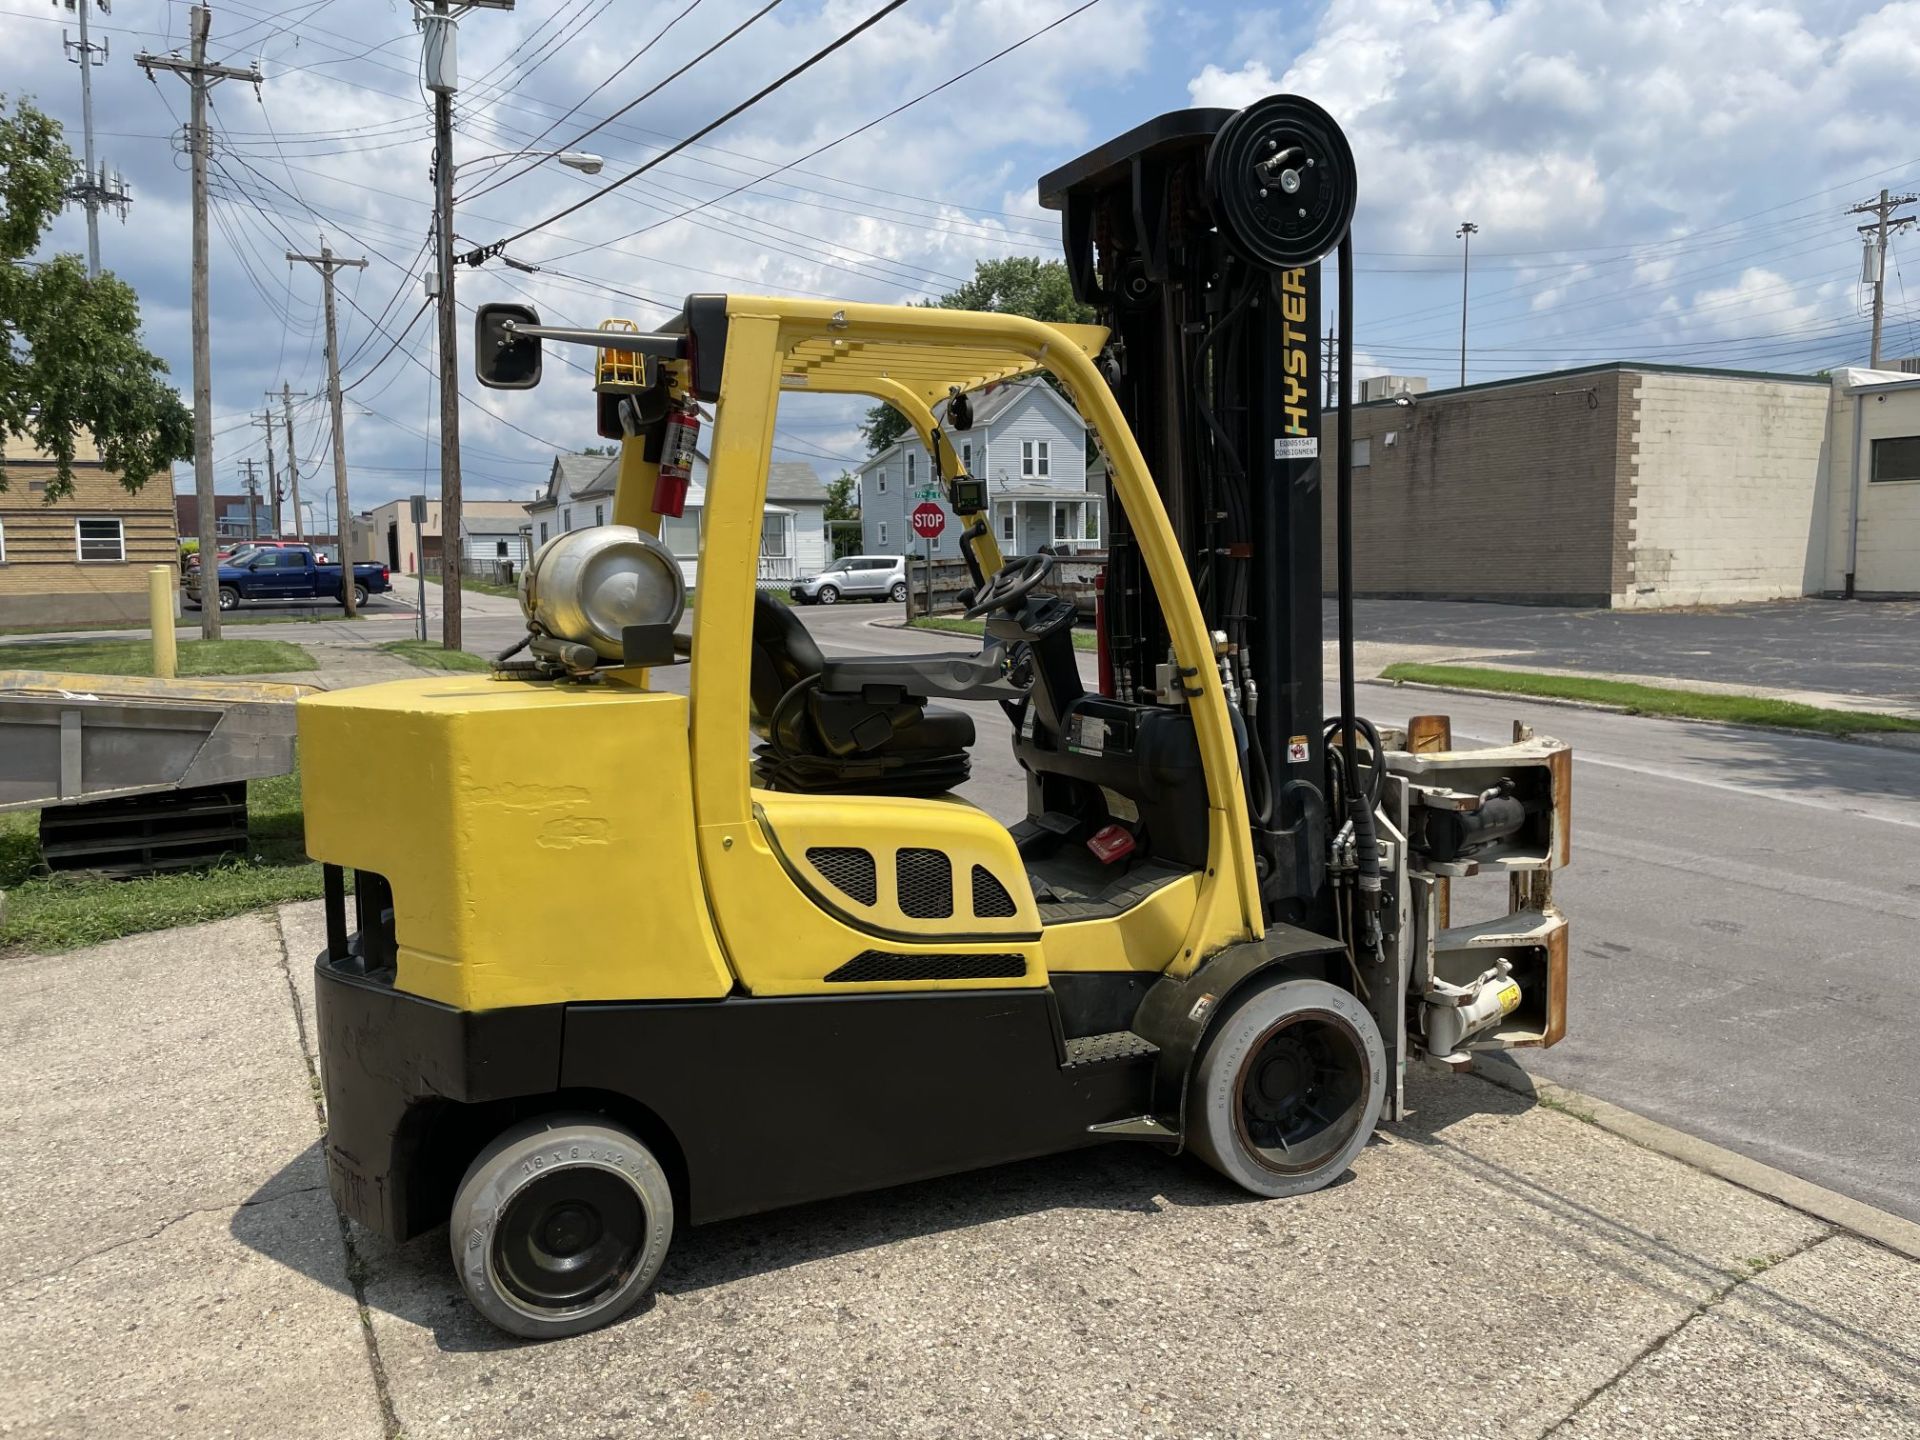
[[1366, 841]]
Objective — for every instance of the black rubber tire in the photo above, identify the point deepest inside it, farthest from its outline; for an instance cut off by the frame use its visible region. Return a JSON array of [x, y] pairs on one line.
[[827, 595], [1215, 1128], [229, 598], [359, 597], [898, 594], [538, 1151]]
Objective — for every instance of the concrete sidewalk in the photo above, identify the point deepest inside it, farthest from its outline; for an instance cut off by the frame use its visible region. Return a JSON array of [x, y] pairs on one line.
[[1493, 1267]]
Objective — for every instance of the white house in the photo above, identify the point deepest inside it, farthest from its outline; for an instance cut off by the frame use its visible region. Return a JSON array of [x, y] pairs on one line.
[[1028, 443], [580, 493]]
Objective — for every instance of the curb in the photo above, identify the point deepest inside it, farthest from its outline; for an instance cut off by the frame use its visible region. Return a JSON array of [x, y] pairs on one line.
[[1856, 1217], [1880, 742]]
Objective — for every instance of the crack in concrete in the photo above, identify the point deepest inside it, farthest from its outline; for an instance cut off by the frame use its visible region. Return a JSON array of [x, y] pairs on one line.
[[1660, 1342], [356, 1267], [157, 1231]]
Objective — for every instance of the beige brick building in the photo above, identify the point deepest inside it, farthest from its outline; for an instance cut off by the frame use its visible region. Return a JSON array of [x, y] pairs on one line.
[[1614, 485], [82, 560]]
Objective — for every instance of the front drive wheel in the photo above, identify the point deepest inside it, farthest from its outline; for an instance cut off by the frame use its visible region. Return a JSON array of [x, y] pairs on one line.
[[560, 1226], [898, 594], [1288, 1089], [829, 595]]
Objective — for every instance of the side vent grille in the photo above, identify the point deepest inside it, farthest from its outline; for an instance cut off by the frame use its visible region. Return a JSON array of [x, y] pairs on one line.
[[875, 965], [925, 884], [990, 898], [848, 869]]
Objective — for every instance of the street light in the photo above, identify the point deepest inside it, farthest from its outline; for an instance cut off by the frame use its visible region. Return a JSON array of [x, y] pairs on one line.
[[1465, 234], [450, 522]]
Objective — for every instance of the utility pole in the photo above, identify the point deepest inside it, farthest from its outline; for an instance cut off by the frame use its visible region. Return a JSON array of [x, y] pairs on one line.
[[1465, 233], [94, 192], [201, 78], [252, 486], [1874, 270], [293, 460], [265, 422], [438, 22], [326, 262]]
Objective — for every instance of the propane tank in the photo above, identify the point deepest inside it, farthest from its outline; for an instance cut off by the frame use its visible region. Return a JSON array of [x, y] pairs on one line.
[[1456, 1013], [676, 461], [584, 587]]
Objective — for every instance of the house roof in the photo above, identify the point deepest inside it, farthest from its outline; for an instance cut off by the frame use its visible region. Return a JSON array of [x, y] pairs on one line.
[[989, 406], [796, 481], [584, 475]]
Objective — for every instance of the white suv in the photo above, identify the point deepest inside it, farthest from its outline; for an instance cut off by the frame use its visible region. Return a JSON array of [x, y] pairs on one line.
[[858, 577]]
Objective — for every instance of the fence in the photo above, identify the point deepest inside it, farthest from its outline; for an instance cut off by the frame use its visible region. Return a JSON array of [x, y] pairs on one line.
[[488, 569], [1072, 579]]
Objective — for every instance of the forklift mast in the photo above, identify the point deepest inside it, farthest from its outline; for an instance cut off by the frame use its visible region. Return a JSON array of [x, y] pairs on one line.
[[1198, 238]]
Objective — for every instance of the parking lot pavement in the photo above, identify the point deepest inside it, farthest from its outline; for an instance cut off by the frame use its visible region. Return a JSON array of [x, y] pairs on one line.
[[1492, 1267], [1868, 649]]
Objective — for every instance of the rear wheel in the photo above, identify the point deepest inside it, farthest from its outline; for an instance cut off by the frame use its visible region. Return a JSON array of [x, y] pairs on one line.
[[898, 594], [1288, 1089], [560, 1226], [359, 597], [829, 595]]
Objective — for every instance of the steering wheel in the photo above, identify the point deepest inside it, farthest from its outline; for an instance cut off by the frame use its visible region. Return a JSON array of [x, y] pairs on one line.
[[1010, 585]]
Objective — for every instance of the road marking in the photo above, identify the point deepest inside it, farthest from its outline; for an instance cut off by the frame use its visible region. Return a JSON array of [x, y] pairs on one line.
[[1829, 806]]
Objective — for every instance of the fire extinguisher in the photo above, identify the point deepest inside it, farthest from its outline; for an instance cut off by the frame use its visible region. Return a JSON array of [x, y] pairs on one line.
[[676, 461]]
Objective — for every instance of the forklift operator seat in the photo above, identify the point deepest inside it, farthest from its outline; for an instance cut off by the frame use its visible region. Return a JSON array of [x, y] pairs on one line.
[[867, 729]]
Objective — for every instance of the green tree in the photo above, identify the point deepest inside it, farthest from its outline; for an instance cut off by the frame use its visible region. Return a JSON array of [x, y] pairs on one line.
[[71, 359], [1018, 285], [843, 497]]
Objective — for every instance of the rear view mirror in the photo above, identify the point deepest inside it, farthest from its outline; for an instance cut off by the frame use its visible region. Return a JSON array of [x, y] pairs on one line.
[[502, 358]]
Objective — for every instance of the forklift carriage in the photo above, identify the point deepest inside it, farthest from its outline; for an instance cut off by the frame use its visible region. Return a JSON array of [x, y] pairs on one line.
[[624, 960]]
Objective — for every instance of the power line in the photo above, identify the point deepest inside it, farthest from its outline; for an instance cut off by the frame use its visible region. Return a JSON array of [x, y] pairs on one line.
[[754, 99]]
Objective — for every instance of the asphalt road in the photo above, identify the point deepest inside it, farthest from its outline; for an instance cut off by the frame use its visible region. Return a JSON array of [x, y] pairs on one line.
[[1743, 908], [1845, 647]]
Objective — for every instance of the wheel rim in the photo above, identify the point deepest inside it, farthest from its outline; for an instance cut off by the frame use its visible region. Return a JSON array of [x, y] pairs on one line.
[[899, 593], [571, 1238], [1301, 1092], [228, 600], [828, 595]]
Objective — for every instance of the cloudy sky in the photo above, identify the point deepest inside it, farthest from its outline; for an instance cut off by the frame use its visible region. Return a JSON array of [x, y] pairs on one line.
[[1665, 180]]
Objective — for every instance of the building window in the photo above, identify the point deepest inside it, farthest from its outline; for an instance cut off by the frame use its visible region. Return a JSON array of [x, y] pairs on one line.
[[1006, 524], [566, 519], [1036, 459], [883, 534], [3, 542], [681, 533], [882, 476], [966, 457], [912, 467], [1896, 458], [1362, 453], [773, 535], [543, 532], [99, 539], [1060, 522], [599, 514], [1093, 522], [499, 549]]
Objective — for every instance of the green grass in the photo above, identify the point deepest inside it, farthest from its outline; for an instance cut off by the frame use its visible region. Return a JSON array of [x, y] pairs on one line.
[[1082, 639], [58, 912], [484, 587], [429, 655], [1655, 700], [135, 657]]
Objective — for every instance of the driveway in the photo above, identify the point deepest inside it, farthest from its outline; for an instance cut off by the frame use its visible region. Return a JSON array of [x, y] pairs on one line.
[[173, 1266]]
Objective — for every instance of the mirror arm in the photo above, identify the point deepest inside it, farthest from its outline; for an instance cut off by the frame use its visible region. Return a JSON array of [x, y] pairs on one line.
[[662, 347]]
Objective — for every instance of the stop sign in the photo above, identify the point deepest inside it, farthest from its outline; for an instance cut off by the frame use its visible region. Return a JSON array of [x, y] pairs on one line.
[[928, 520]]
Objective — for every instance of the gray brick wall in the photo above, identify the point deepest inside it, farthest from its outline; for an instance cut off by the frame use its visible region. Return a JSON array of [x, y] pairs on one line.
[[1511, 492]]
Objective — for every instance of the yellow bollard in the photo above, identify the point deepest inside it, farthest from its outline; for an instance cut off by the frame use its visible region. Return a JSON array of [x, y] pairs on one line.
[[160, 608]]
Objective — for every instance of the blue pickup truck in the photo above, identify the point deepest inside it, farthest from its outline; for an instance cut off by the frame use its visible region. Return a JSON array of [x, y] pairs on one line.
[[287, 572]]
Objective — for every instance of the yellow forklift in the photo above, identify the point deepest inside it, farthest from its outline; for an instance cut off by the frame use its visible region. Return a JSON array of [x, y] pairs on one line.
[[623, 959]]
